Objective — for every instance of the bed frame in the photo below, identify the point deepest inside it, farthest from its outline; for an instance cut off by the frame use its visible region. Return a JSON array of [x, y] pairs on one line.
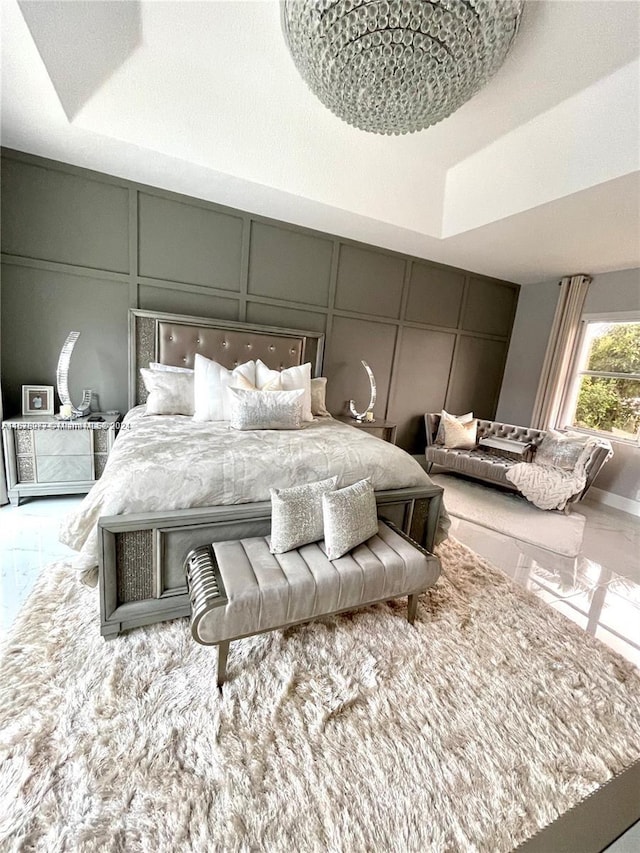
[[141, 556]]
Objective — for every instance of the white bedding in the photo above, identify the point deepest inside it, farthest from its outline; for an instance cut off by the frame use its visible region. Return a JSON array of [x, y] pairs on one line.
[[165, 462]]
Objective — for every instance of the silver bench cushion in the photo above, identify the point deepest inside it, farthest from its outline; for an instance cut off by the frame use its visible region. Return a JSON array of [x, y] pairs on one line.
[[267, 591]]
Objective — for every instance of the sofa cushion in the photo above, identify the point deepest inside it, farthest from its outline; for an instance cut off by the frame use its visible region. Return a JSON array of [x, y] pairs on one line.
[[475, 463]]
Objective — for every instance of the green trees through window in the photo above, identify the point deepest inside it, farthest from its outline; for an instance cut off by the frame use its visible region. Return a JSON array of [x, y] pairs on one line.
[[608, 397]]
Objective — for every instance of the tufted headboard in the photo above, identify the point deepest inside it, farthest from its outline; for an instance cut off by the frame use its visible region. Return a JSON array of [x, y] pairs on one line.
[[175, 340]]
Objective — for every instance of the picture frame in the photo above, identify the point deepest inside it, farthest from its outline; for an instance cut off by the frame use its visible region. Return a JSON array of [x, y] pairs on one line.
[[37, 400]]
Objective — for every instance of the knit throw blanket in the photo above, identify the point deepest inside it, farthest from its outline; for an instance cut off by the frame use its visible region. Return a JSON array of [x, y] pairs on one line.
[[547, 486]]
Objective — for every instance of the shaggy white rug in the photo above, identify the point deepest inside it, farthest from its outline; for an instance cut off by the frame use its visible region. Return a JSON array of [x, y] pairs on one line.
[[466, 733], [512, 515]]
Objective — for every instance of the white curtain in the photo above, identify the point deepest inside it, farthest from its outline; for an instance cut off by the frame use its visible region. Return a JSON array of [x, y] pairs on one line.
[[560, 351]]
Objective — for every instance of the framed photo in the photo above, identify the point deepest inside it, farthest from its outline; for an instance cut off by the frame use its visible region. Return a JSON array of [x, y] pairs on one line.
[[37, 399]]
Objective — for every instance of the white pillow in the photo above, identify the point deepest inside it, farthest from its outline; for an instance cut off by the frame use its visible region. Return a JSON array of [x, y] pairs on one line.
[[211, 381], [168, 368], [350, 517], [170, 393], [463, 419], [292, 378], [296, 515], [267, 379], [299, 377], [318, 397], [265, 409]]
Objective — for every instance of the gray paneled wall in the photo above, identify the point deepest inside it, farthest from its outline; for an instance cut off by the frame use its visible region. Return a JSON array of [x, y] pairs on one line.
[[80, 248]]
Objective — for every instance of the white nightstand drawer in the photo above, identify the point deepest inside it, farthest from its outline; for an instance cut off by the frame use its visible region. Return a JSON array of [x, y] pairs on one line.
[[63, 468], [62, 442], [46, 456]]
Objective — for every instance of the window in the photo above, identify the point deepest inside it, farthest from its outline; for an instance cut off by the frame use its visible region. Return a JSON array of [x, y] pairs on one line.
[[604, 392]]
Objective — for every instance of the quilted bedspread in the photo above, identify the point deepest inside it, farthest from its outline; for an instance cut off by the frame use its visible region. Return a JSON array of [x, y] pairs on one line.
[[172, 462]]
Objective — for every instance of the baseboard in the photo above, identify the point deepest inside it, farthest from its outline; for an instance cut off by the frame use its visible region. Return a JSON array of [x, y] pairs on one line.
[[611, 499]]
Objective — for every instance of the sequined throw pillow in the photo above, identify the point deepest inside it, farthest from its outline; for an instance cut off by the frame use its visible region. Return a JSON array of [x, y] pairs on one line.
[[561, 450], [266, 409], [296, 515], [350, 518]]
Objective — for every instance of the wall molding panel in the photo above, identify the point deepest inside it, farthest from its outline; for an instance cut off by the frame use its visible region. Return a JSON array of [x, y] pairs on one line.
[[80, 248]]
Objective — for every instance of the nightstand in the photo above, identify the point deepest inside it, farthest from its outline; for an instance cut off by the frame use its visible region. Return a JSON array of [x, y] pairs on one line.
[[45, 456], [381, 429]]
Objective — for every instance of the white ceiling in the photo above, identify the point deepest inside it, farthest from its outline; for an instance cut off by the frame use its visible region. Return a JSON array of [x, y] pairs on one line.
[[535, 177]]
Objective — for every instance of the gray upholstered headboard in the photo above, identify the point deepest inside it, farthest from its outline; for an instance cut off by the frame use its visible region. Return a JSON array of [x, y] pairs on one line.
[[175, 340]]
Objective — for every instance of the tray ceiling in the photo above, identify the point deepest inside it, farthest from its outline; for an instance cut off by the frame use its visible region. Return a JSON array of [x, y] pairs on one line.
[[536, 176]]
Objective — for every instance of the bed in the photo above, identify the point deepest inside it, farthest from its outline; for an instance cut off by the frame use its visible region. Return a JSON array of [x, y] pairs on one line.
[[171, 483]]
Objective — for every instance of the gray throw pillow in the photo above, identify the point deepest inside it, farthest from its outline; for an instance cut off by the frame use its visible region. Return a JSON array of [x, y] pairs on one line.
[[266, 409], [296, 515], [561, 449], [350, 517]]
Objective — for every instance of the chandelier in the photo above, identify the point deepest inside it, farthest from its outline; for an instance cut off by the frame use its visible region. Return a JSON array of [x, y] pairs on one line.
[[397, 66]]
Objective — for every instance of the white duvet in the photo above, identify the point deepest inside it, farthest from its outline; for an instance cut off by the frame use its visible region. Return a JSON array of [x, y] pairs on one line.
[[165, 462]]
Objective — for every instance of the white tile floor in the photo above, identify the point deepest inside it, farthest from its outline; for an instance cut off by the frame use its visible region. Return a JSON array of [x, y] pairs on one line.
[[599, 589], [28, 543]]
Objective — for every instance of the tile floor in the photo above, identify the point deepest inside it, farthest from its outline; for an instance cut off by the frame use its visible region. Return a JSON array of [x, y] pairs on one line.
[[599, 589]]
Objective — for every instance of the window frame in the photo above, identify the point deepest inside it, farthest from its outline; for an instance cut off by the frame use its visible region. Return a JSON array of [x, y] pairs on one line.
[[575, 374]]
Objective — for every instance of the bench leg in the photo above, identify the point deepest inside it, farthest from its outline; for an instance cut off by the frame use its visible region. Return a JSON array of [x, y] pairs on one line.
[[412, 607], [223, 651]]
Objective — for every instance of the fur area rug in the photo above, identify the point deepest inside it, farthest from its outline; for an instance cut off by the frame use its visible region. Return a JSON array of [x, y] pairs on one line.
[[469, 732], [513, 515]]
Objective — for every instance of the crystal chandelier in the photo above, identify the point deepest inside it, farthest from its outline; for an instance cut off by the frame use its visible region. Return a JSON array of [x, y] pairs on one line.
[[397, 66]]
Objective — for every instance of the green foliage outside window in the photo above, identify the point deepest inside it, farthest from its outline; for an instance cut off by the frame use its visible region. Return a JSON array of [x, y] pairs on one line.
[[607, 403]]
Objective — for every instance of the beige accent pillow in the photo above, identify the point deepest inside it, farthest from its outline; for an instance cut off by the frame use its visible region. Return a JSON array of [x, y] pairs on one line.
[[350, 517], [266, 409], [458, 435], [296, 515], [170, 393], [318, 397], [464, 419]]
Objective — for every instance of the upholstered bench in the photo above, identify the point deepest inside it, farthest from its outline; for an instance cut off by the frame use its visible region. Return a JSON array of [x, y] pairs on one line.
[[238, 588]]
